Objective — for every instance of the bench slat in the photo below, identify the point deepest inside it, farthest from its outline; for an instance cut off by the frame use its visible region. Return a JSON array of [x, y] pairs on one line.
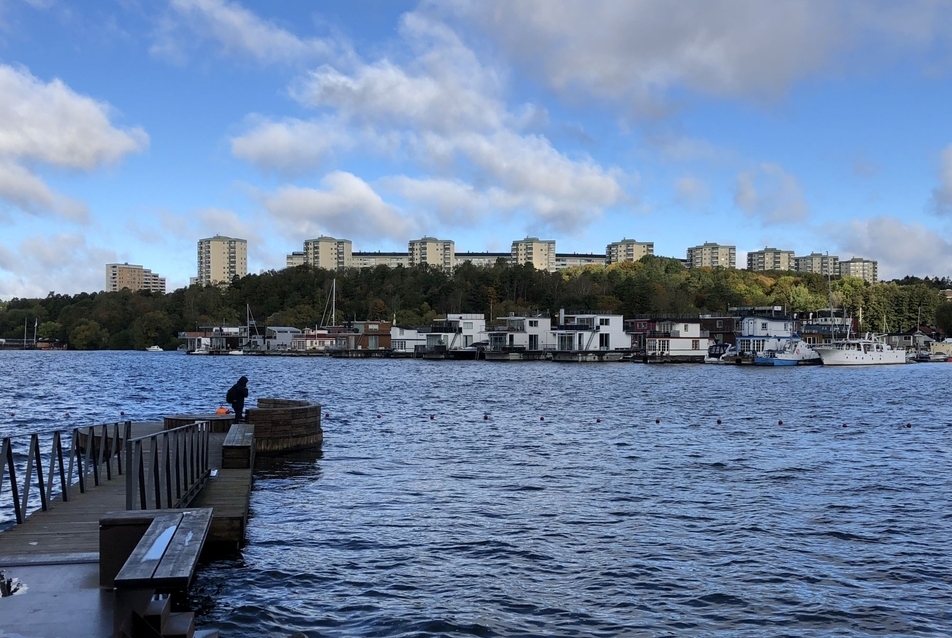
[[147, 555], [178, 566]]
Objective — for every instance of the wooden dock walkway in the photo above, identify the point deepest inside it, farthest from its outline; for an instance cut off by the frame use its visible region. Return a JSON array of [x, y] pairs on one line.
[[55, 554]]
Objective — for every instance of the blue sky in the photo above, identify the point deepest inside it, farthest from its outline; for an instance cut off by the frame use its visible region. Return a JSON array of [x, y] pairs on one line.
[[131, 129]]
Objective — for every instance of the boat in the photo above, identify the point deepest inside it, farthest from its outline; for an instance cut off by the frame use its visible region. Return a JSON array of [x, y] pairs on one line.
[[154, 349], [871, 349], [236, 352], [720, 353], [793, 353]]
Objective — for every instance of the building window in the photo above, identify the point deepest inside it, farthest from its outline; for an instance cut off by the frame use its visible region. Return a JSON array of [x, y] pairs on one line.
[[642, 324], [467, 325], [763, 326], [603, 341], [604, 321], [720, 323], [533, 323], [695, 344]]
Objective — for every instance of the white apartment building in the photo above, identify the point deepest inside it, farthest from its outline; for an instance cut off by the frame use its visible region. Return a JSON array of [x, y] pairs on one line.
[[435, 252], [456, 331], [818, 263], [711, 255], [372, 260], [294, 260], [481, 259], [571, 260], [221, 259], [627, 250], [119, 276], [859, 267], [328, 253], [532, 250], [771, 259]]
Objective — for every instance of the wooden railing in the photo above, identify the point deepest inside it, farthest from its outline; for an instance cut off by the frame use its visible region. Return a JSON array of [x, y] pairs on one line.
[[168, 468], [93, 450]]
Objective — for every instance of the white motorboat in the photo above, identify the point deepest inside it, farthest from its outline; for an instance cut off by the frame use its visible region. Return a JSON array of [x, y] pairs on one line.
[[870, 350], [154, 349], [793, 353]]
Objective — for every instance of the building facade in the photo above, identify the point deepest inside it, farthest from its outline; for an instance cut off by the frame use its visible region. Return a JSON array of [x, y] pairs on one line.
[[328, 253], [859, 267], [532, 250], [571, 260], [435, 252], [119, 276], [627, 250], [481, 259], [372, 260], [294, 260], [711, 255], [221, 259], [818, 263], [771, 259]]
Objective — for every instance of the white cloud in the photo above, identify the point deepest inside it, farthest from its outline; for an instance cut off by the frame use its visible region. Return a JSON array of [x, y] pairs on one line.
[[63, 263], [238, 32], [941, 202], [900, 248], [290, 145], [691, 192], [50, 124], [344, 206], [770, 194]]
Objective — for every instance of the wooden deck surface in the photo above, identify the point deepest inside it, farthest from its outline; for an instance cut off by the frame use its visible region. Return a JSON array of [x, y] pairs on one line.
[[69, 531]]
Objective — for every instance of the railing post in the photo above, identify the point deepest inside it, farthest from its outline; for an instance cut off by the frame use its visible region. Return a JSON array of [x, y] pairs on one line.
[[91, 454], [168, 470], [14, 490], [75, 457], [154, 475], [26, 475], [54, 446]]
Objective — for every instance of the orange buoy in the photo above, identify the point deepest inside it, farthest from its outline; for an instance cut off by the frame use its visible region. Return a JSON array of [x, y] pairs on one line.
[[221, 410]]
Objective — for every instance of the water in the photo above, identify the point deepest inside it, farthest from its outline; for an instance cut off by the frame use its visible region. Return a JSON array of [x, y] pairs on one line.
[[596, 521]]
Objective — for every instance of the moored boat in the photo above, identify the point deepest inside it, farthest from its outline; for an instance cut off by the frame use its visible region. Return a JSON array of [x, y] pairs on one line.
[[154, 349], [793, 353], [871, 349]]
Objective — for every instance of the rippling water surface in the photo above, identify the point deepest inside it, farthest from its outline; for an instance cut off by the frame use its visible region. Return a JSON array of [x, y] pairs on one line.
[[542, 499]]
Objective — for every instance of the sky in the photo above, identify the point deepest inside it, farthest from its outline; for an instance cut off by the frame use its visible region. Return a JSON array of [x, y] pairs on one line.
[[130, 129]]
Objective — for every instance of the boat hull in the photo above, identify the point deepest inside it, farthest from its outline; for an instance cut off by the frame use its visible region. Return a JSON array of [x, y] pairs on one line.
[[837, 358], [773, 361]]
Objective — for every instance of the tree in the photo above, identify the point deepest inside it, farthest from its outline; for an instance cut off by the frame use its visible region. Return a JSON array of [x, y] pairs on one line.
[[87, 335]]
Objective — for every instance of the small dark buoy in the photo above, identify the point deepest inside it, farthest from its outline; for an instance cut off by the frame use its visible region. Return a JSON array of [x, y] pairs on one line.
[[13, 414], [67, 415], [598, 420], [485, 417], [378, 416], [718, 421], [327, 415], [844, 425], [432, 416], [122, 413], [657, 420], [909, 425], [780, 422], [542, 418]]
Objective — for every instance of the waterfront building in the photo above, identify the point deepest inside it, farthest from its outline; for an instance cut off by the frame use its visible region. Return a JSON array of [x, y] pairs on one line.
[[221, 259], [677, 340], [456, 331], [294, 260], [119, 276], [759, 334], [522, 333], [627, 250], [771, 259], [711, 255], [365, 335], [590, 332], [435, 252], [280, 338], [405, 339], [819, 263], [566, 260], [859, 267], [317, 339], [328, 253], [481, 259], [372, 260], [532, 250]]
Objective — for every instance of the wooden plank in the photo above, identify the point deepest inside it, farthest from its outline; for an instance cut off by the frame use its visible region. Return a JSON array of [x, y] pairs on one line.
[[177, 567], [138, 570]]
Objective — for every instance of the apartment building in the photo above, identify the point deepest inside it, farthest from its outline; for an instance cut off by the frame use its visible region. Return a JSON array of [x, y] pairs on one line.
[[481, 259], [771, 259], [859, 267], [532, 250], [571, 260], [328, 253], [711, 255], [435, 252], [374, 259], [294, 259], [627, 250], [221, 259], [119, 276], [818, 263]]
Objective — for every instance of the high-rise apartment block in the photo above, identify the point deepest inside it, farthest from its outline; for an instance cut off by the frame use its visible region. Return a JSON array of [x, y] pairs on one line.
[[859, 267], [712, 255], [328, 253], [819, 263], [538, 252], [119, 276], [294, 260], [628, 250], [435, 252], [771, 259], [372, 260], [221, 259]]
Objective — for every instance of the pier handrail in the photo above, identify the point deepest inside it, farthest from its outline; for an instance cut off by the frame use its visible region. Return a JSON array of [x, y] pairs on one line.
[[173, 470], [95, 457]]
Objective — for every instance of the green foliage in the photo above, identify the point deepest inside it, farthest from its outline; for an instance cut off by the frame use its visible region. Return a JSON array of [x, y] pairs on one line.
[[301, 297]]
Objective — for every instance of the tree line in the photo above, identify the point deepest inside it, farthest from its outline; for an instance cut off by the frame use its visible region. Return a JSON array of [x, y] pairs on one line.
[[652, 287]]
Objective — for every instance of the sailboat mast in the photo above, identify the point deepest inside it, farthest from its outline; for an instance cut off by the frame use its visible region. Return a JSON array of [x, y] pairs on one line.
[[334, 302]]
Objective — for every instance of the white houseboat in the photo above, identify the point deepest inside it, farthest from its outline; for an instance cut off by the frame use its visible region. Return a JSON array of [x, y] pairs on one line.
[[676, 341], [590, 337], [520, 338]]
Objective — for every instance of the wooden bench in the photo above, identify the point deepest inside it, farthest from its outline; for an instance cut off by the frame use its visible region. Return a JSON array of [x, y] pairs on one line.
[[164, 560], [238, 450]]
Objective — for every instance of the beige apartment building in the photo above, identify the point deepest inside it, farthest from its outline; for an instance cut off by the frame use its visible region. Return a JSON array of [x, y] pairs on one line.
[[119, 276], [532, 250], [771, 259], [711, 255], [572, 260], [221, 259], [435, 252], [374, 259], [818, 263], [627, 250], [328, 253], [859, 267]]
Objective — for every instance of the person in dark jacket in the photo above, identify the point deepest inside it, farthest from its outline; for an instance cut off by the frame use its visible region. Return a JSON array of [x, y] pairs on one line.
[[236, 397]]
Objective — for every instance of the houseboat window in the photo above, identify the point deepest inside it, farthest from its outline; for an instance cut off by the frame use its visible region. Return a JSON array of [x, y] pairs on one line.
[[533, 323], [719, 324], [467, 325], [604, 321], [603, 341], [685, 327], [372, 327], [642, 324], [695, 344], [763, 326]]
